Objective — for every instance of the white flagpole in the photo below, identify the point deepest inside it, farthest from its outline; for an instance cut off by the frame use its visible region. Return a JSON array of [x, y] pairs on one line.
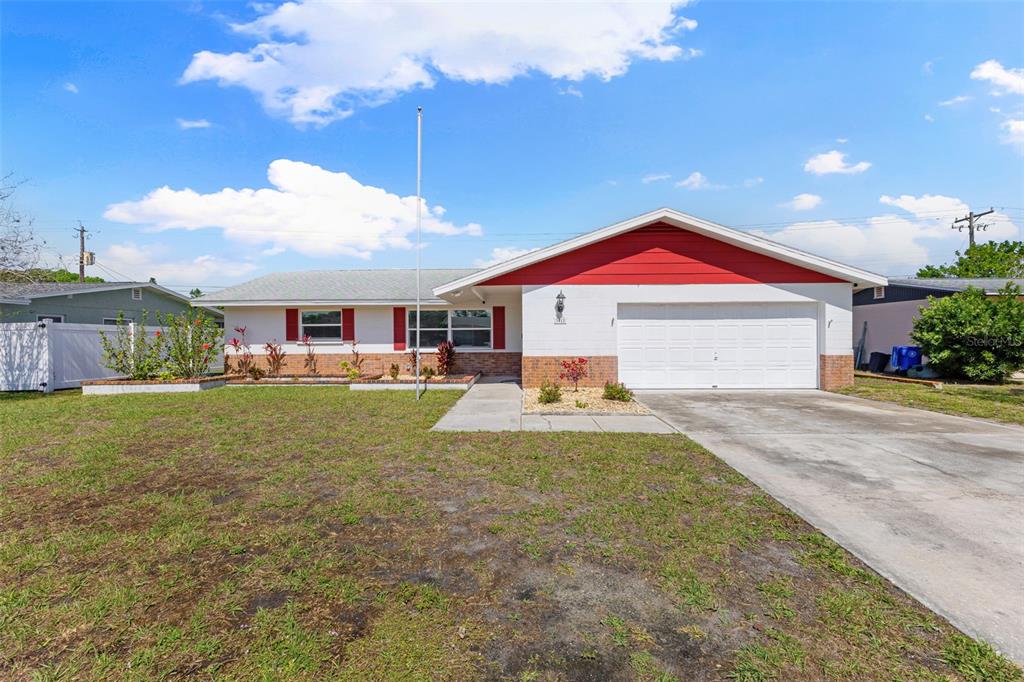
[[419, 202]]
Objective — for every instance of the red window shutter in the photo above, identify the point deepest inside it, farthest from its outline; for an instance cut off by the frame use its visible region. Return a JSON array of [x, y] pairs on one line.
[[498, 320], [348, 324], [399, 314], [291, 324]]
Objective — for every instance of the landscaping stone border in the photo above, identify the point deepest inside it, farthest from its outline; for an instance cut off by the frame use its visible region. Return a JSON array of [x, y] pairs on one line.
[[445, 384], [128, 386]]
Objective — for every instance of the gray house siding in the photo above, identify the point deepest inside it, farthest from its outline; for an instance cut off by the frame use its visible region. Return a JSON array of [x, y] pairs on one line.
[[897, 294], [92, 307]]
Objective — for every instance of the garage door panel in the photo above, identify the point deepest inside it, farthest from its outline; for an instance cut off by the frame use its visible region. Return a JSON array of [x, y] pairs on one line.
[[766, 345]]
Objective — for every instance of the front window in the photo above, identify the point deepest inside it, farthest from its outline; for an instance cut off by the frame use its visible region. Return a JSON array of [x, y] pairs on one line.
[[471, 328], [321, 324], [49, 318], [464, 328]]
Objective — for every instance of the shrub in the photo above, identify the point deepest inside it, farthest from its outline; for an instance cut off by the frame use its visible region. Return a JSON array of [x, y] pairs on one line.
[[393, 371], [357, 361], [445, 357], [350, 370], [971, 335], [309, 362], [132, 352], [191, 339], [243, 354], [427, 372], [615, 391], [275, 357], [574, 370], [255, 372], [581, 405], [549, 393]]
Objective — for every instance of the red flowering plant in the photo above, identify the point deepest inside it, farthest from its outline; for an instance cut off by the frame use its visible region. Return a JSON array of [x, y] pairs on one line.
[[574, 370], [192, 338], [243, 354], [445, 358], [275, 357], [309, 362]]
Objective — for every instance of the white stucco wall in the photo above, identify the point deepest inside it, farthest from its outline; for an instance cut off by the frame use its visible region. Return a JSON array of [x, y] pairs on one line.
[[591, 310], [889, 324], [374, 326]]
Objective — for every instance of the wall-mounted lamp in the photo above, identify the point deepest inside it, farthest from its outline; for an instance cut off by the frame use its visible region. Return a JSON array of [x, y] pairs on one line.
[[559, 308]]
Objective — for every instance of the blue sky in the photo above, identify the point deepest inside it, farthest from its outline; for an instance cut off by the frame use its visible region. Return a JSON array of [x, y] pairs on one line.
[[852, 130]]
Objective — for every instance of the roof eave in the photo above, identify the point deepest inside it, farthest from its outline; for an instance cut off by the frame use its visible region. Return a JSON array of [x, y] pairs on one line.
[[714, 230], [313, 302]]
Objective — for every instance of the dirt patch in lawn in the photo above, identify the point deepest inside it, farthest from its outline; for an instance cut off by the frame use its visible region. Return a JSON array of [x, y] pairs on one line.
[[584, 401], [310, 533]]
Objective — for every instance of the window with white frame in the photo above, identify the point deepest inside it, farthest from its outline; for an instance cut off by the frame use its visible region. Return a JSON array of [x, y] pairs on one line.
[[49, 318], [137, 293], [879, 292], [466, 328], [321, 324]]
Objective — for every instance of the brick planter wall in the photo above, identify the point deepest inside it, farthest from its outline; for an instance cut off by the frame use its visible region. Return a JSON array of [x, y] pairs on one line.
[[379, 363], [540, 368], [835, 371]]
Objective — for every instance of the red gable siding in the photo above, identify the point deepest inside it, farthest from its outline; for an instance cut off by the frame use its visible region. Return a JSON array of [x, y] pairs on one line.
[[660, 254]]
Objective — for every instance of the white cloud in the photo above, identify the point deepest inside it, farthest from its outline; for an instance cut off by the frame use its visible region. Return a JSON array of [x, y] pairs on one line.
[[1005, 80], [692, 53], [654, 177], [142, 262], [500, 254], [71, 87], [572, 90], [953, 101], [803, 202], [929, 118], [1014, 132], [928, 68], [842, 140], [696, 180], [928, 206], [310, 210], [190, 124], [753, 182], [316, 62], [834, 162], [893, 243]]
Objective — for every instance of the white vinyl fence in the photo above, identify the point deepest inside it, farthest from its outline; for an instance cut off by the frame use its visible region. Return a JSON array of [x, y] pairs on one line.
[[48, 356]]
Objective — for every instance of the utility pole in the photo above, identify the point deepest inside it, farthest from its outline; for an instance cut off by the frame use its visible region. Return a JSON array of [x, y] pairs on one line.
[[970, 219], [81, 251], [84, 257]]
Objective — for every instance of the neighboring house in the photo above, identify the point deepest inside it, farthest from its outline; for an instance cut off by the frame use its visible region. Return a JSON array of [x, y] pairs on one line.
[[890, 310], [663, 300], [89, 302]]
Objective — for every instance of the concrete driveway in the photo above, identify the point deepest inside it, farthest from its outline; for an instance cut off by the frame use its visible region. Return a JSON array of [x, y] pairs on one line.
[[933, 502]]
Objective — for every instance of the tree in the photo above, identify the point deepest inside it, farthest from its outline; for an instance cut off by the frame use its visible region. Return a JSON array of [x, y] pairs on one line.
[[991, 259], [19, 248], [44, 275], [973, 335], [195, 293]]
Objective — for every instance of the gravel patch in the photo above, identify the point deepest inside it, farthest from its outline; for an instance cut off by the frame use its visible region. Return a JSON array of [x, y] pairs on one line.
[[590, 401]]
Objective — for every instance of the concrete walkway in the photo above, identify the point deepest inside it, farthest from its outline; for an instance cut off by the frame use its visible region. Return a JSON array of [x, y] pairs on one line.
[[933, 502], [496, 405]]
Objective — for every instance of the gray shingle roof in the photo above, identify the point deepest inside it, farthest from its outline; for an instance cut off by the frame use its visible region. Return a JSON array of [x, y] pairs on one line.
[[989, 284], [30, 290], [353, 286]]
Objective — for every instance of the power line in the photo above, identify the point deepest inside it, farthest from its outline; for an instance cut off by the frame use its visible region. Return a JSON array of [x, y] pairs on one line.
[[972, 225]]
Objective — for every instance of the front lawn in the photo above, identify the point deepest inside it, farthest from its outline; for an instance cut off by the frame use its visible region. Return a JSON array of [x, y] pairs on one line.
[[1003, 402], [318, 533]]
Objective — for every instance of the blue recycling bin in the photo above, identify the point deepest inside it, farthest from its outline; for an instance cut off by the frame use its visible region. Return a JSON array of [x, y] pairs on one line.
[[905, 357]]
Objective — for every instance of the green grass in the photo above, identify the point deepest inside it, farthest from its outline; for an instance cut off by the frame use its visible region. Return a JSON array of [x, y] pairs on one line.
[[317, 533], [1004, 403]]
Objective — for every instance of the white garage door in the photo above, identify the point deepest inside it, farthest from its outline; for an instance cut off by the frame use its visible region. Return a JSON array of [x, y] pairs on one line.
[[718, 345]]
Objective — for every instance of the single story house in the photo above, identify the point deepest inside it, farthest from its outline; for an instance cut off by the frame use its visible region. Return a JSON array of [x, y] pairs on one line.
[[890, 310], [89, 302], [663, 300]]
